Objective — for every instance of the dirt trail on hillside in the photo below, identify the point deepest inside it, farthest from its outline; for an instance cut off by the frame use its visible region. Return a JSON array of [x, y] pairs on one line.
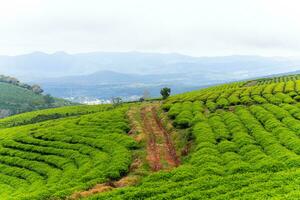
[[161, 152], [153, 150], [104, 187]]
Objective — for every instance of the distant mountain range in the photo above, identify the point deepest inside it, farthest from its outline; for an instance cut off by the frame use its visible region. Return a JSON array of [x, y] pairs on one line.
[[108, 84], [40, 65], [107, 74]]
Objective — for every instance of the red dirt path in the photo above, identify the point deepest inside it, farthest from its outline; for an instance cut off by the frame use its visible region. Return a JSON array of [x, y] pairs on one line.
[[160, 147], [161, 152]]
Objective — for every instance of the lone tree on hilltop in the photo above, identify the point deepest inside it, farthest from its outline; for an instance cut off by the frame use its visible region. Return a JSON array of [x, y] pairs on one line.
[[116, 101], [165, 92]]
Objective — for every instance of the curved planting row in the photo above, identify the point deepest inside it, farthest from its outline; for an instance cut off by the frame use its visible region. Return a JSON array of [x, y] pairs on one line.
[[249, 150], [222, 97], [58, 157], [245, 153], [50, 114], [278, 79]]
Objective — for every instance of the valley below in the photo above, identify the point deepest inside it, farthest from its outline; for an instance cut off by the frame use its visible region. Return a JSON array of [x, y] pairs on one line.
[[97, 77]]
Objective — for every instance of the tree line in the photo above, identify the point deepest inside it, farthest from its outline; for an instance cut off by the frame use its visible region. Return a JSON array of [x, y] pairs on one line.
[[11, 80]]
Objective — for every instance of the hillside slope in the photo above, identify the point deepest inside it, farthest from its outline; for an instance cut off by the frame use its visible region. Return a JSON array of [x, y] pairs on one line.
[[53, 158], [15, 99], [233, 141], [246, 144]]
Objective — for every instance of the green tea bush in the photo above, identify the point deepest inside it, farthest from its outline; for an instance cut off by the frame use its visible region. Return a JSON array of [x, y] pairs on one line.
[[54, 158], [184, 119], [174, 110]]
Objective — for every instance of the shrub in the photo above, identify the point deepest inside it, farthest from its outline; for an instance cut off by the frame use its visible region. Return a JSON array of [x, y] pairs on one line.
[[227, 146], [174, 110], [184, 119]]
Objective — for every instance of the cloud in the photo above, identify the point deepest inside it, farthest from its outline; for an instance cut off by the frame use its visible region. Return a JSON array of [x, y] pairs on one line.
[[195, 27]]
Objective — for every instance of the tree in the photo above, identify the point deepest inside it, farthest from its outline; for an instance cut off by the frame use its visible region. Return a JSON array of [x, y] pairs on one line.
[[116, 101], [37, 89], [48, 99], [165, 92], [141, 99], [24, 85]]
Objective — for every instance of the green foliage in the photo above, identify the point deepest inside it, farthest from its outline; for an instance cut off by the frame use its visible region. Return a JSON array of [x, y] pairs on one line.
[[49, 99], [117, 101], [166, 106], [184, 119], [49, 114], [222, 103], [246, 144], [15, 82], [165, 92], [15, 99], [84, 146], [174, 110], [277, 91]]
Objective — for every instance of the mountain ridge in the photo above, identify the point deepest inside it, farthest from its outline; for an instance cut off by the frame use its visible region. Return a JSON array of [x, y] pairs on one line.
[[59, 64]]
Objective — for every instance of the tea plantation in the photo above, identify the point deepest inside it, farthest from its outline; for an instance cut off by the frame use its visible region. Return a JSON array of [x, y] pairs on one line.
[[53, 158], [242, 141], [246, 144]]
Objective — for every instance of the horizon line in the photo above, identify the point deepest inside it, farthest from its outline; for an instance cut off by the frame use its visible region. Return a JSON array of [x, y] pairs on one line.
[[51, 53]]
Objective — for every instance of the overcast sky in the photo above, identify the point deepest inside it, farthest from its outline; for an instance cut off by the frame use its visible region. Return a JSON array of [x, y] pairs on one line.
[[194, 27]]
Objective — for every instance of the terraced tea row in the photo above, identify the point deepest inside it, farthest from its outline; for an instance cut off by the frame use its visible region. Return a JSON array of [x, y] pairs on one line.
[[57, 157], [220, 97], [246, 153], [49, 114], [278, 79], [245, 140]]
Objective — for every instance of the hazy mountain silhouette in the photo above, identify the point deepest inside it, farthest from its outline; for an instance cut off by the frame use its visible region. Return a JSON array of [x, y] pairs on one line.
[[41, 65]]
